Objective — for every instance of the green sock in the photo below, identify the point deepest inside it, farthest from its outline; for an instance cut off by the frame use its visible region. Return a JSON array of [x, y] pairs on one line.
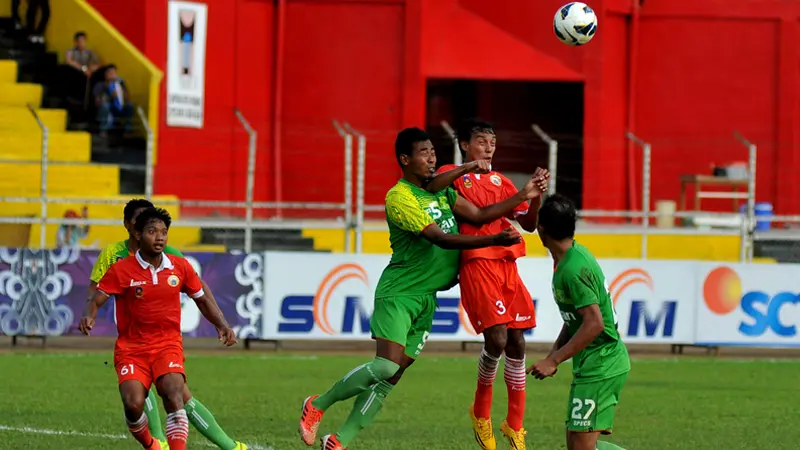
[[153, 419], [605, 445], [357, 381], [367, 405], [202, 419]]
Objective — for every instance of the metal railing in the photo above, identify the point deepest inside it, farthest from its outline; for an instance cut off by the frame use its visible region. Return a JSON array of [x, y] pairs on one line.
[[457, 157], [148, 164], [251, 179], [43, 185], [552, 157], [353, 206]]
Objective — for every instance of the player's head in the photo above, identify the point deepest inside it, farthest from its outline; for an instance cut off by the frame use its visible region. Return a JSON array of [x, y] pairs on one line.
[[151, 229], [557, 218], [132, 210], [476, 139], [415, 153]]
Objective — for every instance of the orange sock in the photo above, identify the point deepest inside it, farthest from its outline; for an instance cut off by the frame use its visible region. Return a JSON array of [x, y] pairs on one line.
[[177, 429], [487, 371], [140, 431], [514, 374]]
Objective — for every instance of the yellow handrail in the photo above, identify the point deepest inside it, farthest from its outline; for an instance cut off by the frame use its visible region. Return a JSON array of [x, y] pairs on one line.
[[142, 77]]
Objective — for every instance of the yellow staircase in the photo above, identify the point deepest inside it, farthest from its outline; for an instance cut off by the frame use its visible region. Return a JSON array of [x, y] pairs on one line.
[[20, 166]]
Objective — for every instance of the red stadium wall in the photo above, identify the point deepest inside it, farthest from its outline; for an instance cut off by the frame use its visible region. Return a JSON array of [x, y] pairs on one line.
[[696, 71]]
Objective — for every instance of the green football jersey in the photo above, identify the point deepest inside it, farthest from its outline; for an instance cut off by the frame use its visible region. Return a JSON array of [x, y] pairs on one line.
[[577, 283], [113, 253], [417, 266]]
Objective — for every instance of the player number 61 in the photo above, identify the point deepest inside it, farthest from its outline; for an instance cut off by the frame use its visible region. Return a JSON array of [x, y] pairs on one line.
[[126, 369]]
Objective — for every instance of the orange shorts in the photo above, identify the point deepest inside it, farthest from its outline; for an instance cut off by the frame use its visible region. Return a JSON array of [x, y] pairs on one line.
[[492, 293], [148, 366]]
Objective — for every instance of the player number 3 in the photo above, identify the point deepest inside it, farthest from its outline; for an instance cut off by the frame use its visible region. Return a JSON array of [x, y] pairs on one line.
[[578, 405], [126, 369], [501, 308]]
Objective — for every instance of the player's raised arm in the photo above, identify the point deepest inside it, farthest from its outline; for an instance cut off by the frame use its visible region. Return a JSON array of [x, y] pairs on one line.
[[207, 304], [529, 219], [447, 175], [465, 210]]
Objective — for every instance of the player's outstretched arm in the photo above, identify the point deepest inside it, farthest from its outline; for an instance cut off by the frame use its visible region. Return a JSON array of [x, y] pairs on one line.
[[590, 328], [90, 311], [444, 179], [462, 242], [210, 310], [529, 220]]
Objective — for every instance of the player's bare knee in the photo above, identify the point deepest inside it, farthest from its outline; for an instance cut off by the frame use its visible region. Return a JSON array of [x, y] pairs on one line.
[[515, 347], [495, 340], [133, 402], [187, 395], [582, 440], [170, 388]]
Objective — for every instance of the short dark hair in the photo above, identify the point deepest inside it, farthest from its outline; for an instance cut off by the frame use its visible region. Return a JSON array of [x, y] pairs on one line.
[[471, 126], [404, 144], [558, 216], [133, 205], [79, 34], [150, 215]]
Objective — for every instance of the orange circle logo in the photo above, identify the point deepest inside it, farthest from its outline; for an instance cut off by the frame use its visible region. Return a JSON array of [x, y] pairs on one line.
[[332, 280], [722, 290]]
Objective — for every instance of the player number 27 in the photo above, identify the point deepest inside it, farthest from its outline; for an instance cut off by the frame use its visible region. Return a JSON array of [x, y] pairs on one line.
[[578, 405], [126, 369]]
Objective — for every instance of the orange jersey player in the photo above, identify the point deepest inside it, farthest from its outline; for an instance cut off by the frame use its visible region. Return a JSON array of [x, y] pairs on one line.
[[492, 293], [149, 346]]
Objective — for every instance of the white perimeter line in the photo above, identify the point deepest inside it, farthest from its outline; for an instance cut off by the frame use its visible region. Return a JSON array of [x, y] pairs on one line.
[[45, 431]]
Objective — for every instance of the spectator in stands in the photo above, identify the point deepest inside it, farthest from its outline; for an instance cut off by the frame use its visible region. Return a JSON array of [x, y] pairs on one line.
[[113, 101], [70, 235], [81, 57], [15, 14], [37, 32]]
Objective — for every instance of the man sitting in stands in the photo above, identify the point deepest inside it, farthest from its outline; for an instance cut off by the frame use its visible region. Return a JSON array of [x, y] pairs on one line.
[[113, 102]]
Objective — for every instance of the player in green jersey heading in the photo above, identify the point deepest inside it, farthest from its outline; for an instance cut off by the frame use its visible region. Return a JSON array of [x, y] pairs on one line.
[[425, 258], [199, 416], [589, 336]]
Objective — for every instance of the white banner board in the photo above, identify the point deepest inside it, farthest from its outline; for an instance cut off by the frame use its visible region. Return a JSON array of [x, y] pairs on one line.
[[329, 296], [748, 305], [186, 60]]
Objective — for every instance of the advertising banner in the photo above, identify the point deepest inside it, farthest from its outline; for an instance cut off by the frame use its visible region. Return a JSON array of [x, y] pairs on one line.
[[186, 63], [45, 292], [748, 305], [333, 297]]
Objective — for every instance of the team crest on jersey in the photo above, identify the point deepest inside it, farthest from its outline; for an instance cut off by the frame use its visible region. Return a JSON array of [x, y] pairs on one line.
[[172, 280], [138, 292], [495, 179], [467, 181]]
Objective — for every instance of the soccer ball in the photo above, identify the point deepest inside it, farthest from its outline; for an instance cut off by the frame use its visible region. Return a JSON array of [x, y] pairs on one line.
[[575, 23]]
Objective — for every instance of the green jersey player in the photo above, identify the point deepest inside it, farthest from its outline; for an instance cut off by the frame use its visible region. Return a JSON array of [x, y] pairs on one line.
[[589, 336], [424, 237]]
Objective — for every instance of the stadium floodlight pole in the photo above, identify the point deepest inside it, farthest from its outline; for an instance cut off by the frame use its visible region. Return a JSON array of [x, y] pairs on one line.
[[646, 153], [361, 163], [348, 184], [552, 156], [251, 179], [148, 164], [457, 158], [43, 187], [748, 230]]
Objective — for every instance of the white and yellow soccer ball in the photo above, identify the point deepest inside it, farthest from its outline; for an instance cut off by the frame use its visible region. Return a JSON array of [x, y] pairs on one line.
[[575, 23]]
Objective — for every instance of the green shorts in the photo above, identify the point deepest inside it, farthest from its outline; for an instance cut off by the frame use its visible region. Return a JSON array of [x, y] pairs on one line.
[[406, 320], [591, 405]]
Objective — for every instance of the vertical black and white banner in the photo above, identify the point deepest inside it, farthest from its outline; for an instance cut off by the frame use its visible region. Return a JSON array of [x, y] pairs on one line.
[[186, 63]]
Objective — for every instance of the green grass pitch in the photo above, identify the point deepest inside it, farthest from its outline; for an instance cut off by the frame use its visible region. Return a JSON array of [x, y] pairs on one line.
[[62, 400]]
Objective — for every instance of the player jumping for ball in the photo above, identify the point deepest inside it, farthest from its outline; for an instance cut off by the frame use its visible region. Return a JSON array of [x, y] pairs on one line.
[[149, 347], [496, 301], [589, 336], [424, 237], [199, 416]]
